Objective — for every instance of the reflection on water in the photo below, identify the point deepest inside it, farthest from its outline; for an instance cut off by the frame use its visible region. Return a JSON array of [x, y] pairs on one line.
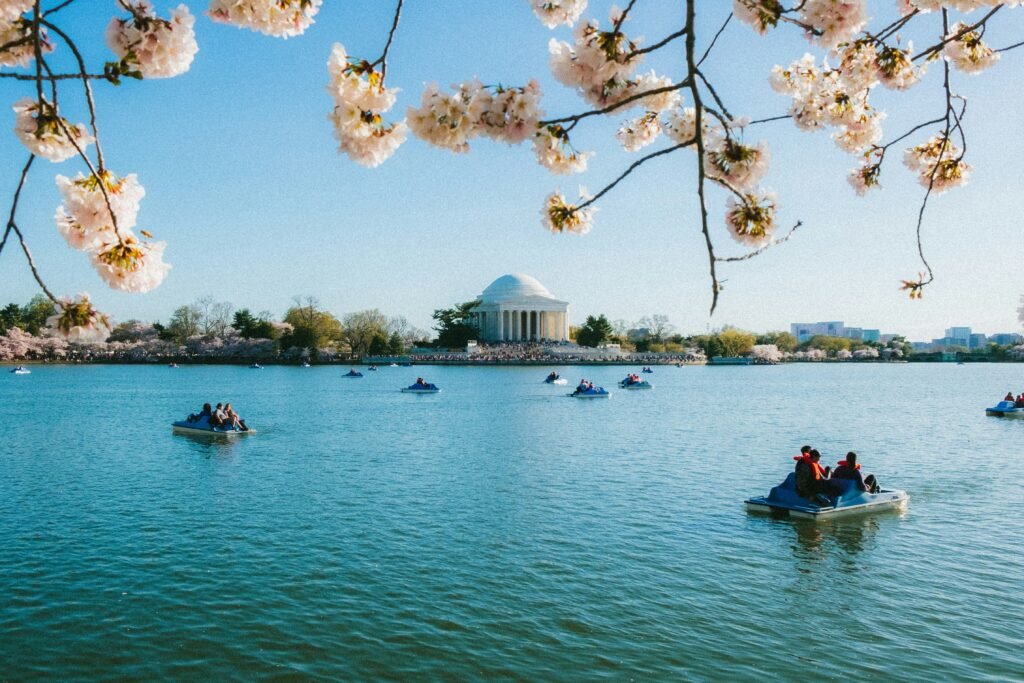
[[499, 530]]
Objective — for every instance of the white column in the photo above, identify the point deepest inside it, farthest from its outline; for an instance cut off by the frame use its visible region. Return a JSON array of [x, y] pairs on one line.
[[515, 325], [540, 323], [565, 325], [501, 324], [529, 326]]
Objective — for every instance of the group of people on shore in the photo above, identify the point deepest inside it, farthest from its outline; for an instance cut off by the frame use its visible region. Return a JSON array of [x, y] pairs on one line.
[[222, 416], [816, 483], [1017, 402]]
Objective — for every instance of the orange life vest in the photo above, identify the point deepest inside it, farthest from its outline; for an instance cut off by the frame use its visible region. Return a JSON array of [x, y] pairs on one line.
[[842, 463], [816, 468]]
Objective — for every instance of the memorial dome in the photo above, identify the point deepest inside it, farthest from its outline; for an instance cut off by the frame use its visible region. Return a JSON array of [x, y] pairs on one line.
[[515, 287]]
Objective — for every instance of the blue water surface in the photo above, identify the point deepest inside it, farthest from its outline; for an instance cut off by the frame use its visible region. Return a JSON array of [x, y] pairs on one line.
[[502, 530]]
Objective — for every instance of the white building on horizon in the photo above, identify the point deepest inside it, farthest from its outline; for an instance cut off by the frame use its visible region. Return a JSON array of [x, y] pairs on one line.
[[517, 307]]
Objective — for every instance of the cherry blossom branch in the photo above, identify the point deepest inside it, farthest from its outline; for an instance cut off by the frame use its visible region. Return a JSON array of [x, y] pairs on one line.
[[691, 65], [17, 196], [57, 8], [718, 100], [632, 167], [656, 46], [959, 34], [714, 40], [622, 16], [1010, 47], [761, 250], [383, 59], [621, 103], [32, 264], [55, 77]]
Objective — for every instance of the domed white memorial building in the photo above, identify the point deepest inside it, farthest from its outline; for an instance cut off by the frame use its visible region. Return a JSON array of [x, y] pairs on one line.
[[518, 308]]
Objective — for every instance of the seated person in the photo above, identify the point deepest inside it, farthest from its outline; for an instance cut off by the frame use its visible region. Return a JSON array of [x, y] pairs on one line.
[[219, 417], [850, 469], [233, 419], [1019, 403], [1009, 396], [812, 479]]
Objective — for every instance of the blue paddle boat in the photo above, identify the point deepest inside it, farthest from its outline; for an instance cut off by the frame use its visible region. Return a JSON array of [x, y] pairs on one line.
[[21, 370], [554, 378], [784, 501], [647, 370], [1005, 409], [592, 392], [421, 387], [255, 366], [631, 382], [352, 373], [201, 426]]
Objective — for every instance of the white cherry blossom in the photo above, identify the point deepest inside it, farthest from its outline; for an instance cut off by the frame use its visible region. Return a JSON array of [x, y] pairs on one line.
[[278, 18], [130, 265], [560, 217], [160, 48], [47, 134], [555, 12], [77, 320]]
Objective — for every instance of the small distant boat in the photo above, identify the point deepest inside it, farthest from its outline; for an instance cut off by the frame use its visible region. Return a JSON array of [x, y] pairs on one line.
[[372, 368], [421, 388], [1005, 409], [393, 365], [647, 370], [202, 426], [21, 370], [172, 365], [352, 373], [305, 364], [630, 383], [783, 500], [255, 366], [596, 392], [554, 378]]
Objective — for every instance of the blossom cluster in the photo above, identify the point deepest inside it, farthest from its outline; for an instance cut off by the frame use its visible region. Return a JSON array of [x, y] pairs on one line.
[[77, 320], [560, 216], [47, 134], [599, 64], [502, 113], [938, 163], [278, 18], [158, 48], [16, 34], [555, 12], [86, 219], [966, 51], [360, 101]]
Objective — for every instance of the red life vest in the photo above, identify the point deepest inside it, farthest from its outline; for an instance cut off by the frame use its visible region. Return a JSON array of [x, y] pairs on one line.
[[842, 463]]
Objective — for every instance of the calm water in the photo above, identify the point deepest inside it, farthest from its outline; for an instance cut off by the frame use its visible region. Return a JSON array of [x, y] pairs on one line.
[[501, 530]]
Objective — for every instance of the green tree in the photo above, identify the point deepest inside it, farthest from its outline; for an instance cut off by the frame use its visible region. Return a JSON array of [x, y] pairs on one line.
[[184, 323], [454, 325], [736, 342], [253, 327], [783, 340], [312, 328], [35, 313], [396, 346], [363, 328], [828, 344], [10, 317], [594, 331], [710, 344]]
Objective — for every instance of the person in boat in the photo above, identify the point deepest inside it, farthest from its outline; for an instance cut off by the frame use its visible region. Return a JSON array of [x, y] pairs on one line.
[[218, 418], [850, 469], [553, 376], [1019, 403], [233, 419], [1009, 396], [584, 386], [812, 480]]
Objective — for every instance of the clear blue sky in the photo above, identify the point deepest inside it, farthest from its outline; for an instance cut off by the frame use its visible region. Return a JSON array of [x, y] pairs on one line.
[[243, 181]]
